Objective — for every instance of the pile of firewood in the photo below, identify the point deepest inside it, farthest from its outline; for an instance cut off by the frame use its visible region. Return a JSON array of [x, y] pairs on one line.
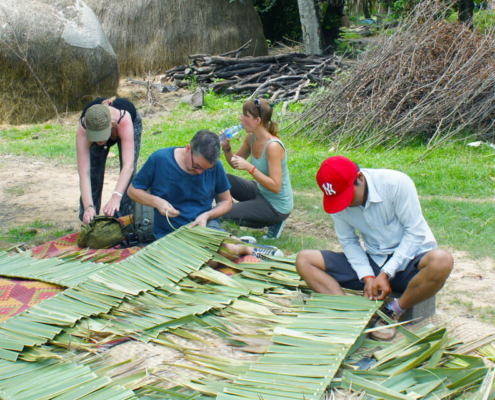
[[281, 77], [431, 79]]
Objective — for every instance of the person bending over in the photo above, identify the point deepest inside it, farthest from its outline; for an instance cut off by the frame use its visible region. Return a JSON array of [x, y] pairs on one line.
[[104, 123]]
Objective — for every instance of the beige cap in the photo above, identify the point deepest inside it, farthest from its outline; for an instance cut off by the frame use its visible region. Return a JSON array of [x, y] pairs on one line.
[[98, 123]]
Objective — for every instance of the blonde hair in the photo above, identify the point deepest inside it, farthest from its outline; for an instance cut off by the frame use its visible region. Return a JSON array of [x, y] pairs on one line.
[[109, 101]]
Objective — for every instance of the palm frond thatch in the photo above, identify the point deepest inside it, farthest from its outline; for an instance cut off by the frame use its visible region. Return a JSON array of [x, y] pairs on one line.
[[51, 270], [272, 341], [150, 35]]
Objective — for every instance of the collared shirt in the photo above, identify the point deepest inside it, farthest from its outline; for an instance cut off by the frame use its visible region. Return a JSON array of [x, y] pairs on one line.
[[391, 222]]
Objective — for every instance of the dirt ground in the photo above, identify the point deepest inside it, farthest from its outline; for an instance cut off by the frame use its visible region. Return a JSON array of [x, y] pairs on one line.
[[39, 190]]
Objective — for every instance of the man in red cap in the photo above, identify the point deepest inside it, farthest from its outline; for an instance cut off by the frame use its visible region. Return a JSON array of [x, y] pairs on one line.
[[399, 251]]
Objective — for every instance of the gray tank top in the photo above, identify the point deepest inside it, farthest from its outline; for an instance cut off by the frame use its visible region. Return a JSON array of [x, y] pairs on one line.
[[281, 201]]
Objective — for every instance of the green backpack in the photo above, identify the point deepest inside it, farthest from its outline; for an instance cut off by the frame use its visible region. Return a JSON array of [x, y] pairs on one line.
[[101, 233]]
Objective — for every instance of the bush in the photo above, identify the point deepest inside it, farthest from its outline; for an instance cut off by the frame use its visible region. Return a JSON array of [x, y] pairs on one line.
[[431, 79]]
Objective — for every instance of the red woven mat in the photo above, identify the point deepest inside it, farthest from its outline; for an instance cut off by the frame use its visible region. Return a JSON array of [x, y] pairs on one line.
[[17, 295], [244, 259], [67, 247]]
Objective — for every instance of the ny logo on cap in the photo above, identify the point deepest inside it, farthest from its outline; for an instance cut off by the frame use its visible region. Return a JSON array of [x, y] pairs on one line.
[[327, 187]]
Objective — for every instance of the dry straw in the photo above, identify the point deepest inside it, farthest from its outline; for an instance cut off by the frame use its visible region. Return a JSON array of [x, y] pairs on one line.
[[150, 35], [430, 78], [48, 64]]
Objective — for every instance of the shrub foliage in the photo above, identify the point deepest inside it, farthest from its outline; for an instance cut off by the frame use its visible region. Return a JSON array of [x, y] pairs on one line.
[[430, 78]]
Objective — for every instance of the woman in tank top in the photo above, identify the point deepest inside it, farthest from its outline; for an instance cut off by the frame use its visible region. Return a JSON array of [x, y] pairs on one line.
[[104, 123], [266, 200]]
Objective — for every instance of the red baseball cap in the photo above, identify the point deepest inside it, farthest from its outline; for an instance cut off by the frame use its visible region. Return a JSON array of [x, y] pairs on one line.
[[336, 178]]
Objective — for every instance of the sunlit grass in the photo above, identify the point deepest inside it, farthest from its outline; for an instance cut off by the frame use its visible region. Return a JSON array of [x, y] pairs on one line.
[[36, 233], [455, 183]]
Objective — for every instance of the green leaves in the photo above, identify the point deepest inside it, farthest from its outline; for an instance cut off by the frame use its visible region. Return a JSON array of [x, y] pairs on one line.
[[272, 342]]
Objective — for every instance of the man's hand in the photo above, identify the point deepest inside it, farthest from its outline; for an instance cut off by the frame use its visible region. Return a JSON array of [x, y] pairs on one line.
[[368, 288], [165, 207], [381, 286], [202, 220]]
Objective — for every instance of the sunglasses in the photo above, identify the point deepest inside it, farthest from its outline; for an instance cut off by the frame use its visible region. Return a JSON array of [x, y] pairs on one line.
[[197, 167], [257, 103]]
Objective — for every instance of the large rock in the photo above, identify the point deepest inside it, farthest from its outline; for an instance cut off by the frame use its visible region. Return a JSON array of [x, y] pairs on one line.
[[52, 53], [155, 35]]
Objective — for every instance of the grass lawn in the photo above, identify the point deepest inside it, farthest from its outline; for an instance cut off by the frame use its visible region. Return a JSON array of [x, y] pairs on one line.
[[456, 183]]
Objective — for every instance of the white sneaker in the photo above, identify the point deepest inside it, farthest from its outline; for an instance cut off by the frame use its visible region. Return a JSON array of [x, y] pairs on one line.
[[248, 239], [261, 252]]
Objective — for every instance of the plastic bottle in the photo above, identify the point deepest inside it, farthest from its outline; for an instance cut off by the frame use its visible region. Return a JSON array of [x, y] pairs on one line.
[[230, 133]]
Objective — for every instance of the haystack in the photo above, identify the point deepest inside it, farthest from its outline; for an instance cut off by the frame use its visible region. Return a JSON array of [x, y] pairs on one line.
[[150, 35], [54, 57]]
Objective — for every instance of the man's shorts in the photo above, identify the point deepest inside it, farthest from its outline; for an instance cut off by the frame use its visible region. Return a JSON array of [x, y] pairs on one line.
[[337, 266]]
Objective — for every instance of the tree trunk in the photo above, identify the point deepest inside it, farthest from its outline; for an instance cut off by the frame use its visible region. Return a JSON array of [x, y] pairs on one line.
[[310, 25], [466, 11], [367, 9], [320, 21]]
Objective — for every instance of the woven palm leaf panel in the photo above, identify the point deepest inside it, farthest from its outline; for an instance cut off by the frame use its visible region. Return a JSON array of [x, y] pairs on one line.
[[54, 380], [306, 355], [71, 380], [51, 270], [162, 308], [130, 285], [146, 316], [164, 263]]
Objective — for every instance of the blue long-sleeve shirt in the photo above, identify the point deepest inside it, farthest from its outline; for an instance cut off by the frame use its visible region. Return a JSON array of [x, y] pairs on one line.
[[391, 222]]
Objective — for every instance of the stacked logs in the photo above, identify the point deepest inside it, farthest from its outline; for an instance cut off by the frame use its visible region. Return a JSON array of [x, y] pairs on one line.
[[281, 77]]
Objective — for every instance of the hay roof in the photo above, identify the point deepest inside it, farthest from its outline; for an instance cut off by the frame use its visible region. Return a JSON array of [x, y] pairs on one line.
[[150, 35]]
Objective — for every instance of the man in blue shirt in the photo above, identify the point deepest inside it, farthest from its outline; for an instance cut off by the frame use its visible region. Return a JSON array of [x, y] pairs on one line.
[[400, 251], [182, 184], [183, 181]]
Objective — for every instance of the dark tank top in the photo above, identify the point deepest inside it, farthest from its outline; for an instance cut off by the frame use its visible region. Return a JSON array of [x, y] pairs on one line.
[[120, 104], [123, 105]]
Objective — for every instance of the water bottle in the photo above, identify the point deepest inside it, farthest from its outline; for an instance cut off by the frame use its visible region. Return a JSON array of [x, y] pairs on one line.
[[230, 133]]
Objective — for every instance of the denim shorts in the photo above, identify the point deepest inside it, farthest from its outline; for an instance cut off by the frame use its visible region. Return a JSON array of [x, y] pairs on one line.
[[337, 266]]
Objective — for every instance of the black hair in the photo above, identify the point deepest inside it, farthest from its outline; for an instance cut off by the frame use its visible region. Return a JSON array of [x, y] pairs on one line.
[[356, 182], [207, 145]]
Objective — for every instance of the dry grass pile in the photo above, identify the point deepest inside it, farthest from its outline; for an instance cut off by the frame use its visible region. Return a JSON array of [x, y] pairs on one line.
[[54, 57], [430, 78], [150, 35]]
